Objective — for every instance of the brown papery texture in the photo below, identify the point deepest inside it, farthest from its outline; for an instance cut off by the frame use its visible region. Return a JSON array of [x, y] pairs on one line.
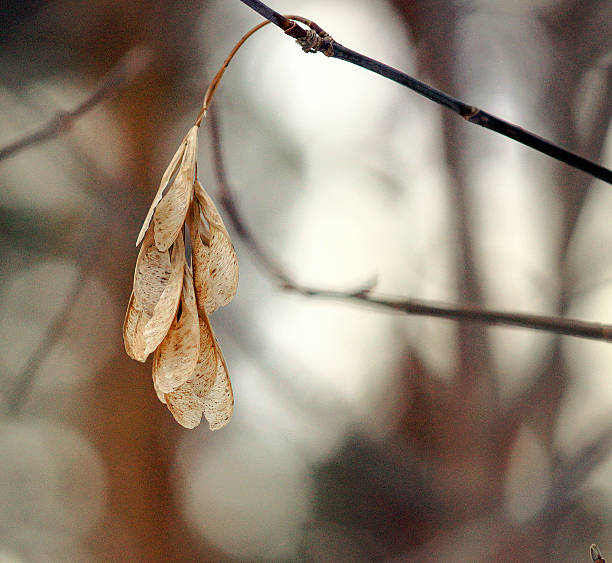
[[171, 211], [151, 277], [200, 256], [191, 396], [222, 261], [205, 371], [166, 177], [177, 355], [164, 312], [218, 404], [184, 406]]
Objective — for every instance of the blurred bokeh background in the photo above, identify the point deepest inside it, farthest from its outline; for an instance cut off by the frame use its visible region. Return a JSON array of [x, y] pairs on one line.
[[358, 435]]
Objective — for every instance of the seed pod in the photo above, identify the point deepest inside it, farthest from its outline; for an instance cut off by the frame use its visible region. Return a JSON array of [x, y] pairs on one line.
[[155, 298], [218, 404], [171, 211], [184, 406], [195, 390], [166, 177], [222, 280], [176, 357]]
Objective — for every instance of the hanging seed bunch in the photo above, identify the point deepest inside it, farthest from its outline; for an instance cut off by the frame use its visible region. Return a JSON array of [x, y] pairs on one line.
[[172, 297], [168, 311]]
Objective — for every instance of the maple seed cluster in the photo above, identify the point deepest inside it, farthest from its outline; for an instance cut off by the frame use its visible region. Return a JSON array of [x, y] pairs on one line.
[[171, 299]]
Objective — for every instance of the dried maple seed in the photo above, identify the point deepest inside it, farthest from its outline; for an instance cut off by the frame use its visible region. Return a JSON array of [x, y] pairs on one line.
[[176, 357], [169, 216], [169, 306]]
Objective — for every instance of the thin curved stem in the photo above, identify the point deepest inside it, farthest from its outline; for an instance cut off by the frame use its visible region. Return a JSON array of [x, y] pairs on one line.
[[212, 88]]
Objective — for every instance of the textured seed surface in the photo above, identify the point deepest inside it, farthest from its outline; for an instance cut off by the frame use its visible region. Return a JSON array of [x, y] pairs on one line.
[[176, 357]]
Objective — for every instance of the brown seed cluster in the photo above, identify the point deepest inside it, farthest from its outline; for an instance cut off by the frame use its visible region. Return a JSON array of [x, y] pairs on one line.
[[172, 298]]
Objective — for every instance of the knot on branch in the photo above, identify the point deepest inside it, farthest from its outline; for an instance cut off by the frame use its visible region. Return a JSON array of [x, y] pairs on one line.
[[314, 42]]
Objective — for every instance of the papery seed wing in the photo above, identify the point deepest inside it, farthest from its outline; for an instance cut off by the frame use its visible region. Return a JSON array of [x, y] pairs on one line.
[[222, 261], [209, 209], [199, 258], [205, 372], [185, 403], [185, 406], [218, 405], [161, 396], [165, 309], [151, 276], [223, 270], [208, 390], [167, 175], [171, 212], [132, 331], [176, 357]]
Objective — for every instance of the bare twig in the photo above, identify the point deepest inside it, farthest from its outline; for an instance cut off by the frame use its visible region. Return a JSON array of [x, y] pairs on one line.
[[289, 27], [365, 295], [470, 113], [559, 325], [125, 71]]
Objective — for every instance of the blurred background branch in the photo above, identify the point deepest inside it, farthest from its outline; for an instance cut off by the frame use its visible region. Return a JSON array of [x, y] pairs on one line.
[[129, 67], [365, 295], [357, 436]]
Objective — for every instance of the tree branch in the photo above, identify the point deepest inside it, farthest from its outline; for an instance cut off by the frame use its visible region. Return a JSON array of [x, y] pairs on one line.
[[289, 27], [128, 67], [559, 325], [470, 113], [365, 296]]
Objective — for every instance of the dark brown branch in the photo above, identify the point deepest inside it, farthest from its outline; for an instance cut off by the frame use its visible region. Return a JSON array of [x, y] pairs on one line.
[[365, 296], [126, 70], [288, 26], [470, 113]]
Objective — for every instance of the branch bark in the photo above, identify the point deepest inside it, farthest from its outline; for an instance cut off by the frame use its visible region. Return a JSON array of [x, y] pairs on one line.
[[470, 113], [366, 297]]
